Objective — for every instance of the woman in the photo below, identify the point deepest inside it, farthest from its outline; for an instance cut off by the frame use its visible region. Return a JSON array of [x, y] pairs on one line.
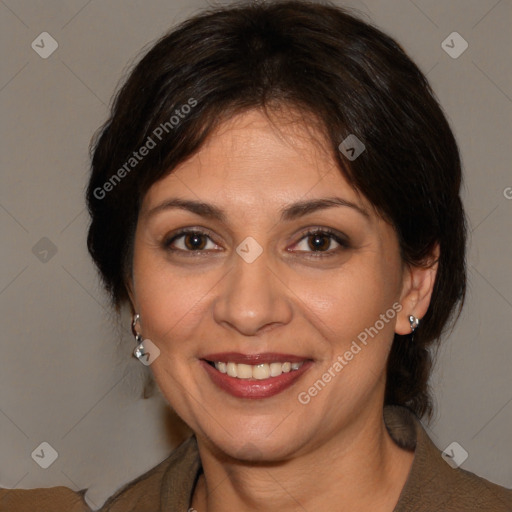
[[276, 198]]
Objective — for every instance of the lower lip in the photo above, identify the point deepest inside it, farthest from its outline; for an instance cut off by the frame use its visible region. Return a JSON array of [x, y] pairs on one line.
[[254, 388]]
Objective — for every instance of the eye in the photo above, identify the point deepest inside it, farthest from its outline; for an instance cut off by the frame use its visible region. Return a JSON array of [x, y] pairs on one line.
[[317, 241], [188, 240]]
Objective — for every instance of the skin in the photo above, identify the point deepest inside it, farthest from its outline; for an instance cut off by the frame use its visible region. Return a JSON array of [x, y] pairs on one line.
[[275, 453]]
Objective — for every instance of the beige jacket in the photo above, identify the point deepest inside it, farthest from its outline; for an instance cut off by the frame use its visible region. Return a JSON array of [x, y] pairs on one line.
[[432, 485]]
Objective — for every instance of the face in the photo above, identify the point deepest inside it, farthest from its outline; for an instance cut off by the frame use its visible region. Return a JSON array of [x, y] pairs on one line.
[[273, 312]]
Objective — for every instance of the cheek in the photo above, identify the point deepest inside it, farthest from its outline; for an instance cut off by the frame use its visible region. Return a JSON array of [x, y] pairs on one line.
[[152, 286], [169, 302], [356, 319], [355, 299]]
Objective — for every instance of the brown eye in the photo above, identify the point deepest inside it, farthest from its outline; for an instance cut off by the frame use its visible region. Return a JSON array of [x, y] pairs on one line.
[[319, 242], [194, 241], [188, 241], [316, 243]]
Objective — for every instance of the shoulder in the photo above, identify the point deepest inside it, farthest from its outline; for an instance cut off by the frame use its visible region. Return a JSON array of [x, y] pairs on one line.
[[51, 499], [171, 481], [433, 484]]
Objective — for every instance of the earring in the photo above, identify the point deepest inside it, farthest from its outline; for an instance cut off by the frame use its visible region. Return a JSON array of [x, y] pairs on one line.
[[139, 349], [414, 322]]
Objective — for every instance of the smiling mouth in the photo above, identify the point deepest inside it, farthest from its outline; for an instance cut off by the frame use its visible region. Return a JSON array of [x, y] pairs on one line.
[[254, 376], [255, 371]]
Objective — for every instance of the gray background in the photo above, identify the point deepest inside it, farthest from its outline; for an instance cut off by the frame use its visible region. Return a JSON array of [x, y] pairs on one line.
[[67, 377]]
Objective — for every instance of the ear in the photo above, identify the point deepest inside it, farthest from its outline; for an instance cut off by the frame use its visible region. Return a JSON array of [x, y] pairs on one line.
[[417, 286]]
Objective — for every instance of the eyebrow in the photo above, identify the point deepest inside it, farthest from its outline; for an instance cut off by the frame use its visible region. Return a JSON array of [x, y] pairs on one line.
[[288, 213]]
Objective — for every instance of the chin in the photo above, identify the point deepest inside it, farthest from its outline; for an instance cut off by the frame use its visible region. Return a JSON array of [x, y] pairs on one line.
[[258, 448]]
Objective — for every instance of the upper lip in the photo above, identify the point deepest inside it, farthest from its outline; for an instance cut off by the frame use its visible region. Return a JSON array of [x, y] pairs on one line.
[[260, 358]]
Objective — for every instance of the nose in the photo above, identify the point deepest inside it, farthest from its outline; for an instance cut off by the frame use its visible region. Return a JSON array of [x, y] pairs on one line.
[[252, 297]]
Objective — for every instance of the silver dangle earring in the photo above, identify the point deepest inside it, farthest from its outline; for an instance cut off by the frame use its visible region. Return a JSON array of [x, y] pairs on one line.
[[146, 351], [139, 349], [414, 323]]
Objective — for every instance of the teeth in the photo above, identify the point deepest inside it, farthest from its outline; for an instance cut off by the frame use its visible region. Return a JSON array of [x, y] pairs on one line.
[[276, 369], [244, 371], [232, 370], [258, 371]]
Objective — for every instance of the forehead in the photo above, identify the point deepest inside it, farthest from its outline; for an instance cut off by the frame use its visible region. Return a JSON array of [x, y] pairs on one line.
[[253, 160]]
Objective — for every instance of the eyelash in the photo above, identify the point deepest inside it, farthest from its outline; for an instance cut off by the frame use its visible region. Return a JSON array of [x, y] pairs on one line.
[[344, 244]]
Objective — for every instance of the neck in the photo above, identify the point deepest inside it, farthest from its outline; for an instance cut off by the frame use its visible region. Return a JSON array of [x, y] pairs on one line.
[[358, 469]]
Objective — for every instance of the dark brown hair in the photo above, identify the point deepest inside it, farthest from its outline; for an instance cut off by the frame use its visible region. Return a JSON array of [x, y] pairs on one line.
[[329, 64]]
